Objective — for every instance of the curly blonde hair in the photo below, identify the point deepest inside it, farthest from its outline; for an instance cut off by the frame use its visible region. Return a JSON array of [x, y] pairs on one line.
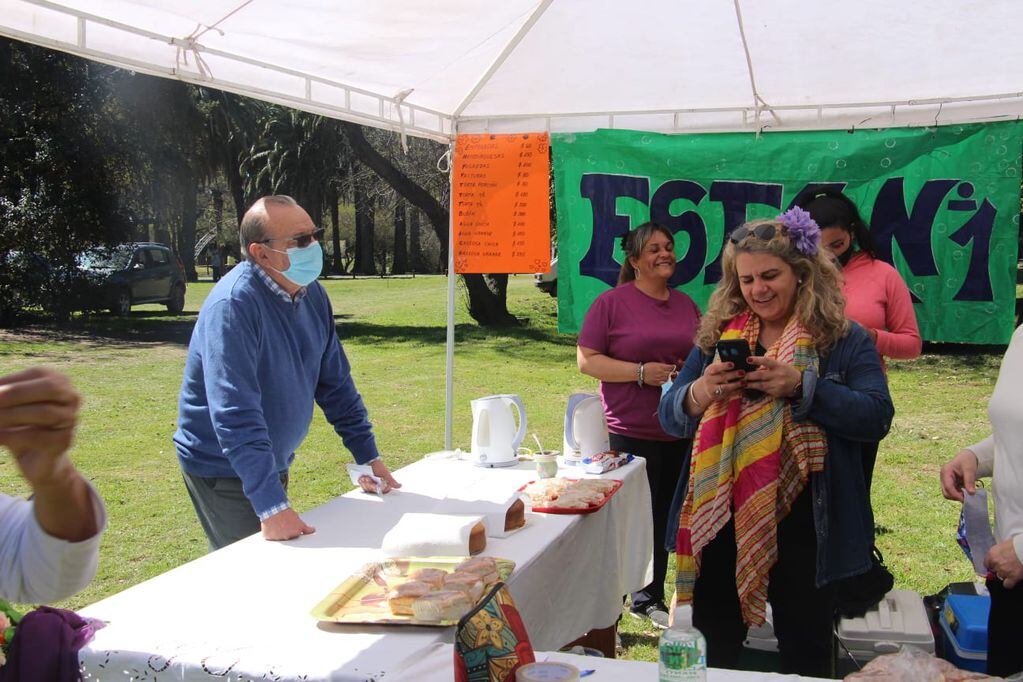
[[819, 306]]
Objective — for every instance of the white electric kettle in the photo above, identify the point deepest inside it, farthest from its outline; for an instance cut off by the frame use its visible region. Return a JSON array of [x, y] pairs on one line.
[[585, 427], [495, 442]]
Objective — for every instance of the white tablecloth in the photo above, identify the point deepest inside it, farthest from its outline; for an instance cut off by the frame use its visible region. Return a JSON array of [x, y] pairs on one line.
[[243, 612], [436, 664]]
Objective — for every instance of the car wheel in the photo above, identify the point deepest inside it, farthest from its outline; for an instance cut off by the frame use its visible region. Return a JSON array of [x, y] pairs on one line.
[[122, 303], [176, 302]]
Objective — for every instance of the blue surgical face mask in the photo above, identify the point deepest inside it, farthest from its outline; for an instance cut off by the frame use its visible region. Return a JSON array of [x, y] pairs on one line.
[[306, 264], [666, 386]]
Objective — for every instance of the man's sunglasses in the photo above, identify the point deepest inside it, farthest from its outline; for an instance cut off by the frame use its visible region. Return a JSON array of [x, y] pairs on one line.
[[301, 240], [764, 232]]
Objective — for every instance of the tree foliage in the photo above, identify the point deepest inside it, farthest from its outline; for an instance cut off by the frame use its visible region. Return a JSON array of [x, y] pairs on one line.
[[96, 155], [54, 196]]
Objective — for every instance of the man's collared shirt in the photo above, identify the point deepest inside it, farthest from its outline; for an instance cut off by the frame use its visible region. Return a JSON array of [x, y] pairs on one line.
[[277, 288]]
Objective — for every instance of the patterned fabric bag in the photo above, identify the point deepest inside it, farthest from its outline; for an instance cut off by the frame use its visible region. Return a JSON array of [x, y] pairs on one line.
[[491, 642]]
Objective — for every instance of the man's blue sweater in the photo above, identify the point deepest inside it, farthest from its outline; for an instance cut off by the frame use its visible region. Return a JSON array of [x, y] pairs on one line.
[[255, 364]]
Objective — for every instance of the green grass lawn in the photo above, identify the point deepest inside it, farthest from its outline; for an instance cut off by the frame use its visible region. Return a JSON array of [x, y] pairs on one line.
[[129, 371]]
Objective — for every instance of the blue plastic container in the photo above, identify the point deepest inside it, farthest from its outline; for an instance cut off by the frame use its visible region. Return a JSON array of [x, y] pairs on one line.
[[964, 625]]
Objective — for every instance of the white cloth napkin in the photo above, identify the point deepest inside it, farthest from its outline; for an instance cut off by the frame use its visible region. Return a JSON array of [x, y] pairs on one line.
[[487, 495], [493, 510], [418, 534]]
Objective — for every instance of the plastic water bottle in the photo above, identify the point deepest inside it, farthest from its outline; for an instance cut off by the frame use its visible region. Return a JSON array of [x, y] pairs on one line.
[[683, 654]]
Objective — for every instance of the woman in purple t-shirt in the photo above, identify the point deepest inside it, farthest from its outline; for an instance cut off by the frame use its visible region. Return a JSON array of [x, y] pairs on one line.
[[633, 338]]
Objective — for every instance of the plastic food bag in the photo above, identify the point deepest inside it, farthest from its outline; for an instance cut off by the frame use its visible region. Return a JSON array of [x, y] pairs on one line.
[[913, 665], [603, 462]]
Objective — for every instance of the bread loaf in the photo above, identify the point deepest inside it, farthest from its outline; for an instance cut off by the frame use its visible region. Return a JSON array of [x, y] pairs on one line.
[[515, 517], [477, 538]]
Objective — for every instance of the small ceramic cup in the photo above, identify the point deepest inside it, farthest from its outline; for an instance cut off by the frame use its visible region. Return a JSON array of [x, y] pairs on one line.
[[546, 463]]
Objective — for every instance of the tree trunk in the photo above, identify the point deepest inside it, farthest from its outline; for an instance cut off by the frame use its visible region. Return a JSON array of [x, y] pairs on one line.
[[364, 210], [400, 265], [186, 236], [487, 307], [415, 245], [218, 212], [315, 207], [237, 186], [335, 238]]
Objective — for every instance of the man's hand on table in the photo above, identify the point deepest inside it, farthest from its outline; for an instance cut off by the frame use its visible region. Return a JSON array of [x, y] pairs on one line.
[[381, 471], [285, 525]]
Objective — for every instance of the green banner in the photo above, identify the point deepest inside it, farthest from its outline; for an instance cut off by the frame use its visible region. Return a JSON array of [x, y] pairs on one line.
[[943, 205]]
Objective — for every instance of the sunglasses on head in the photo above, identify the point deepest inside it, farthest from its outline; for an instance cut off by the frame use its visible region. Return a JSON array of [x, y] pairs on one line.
[[301, 240], [764, 232]]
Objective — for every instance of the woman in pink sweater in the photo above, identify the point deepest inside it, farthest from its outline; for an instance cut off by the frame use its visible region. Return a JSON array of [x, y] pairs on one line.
[[875, 294]]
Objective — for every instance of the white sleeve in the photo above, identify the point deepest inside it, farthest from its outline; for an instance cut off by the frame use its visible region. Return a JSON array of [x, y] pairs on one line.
[[36, 567], [985, 451]]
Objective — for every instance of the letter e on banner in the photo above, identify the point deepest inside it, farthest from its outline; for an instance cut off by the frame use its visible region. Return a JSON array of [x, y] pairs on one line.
[[500, 199]]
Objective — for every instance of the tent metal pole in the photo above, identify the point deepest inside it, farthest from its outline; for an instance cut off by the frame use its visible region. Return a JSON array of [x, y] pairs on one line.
[[449, 368]]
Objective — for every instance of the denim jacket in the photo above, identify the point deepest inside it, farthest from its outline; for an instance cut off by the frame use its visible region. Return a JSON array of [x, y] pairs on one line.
[[848, 397]]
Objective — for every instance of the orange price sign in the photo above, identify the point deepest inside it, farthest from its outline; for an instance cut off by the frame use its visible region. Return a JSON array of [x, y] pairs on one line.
[[500, 201]]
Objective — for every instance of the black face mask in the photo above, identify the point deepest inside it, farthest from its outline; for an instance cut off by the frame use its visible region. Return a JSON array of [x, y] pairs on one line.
[[844, 259]]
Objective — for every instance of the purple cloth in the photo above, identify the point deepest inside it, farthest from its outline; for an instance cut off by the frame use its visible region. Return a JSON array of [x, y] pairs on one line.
[[626, 324], [45, 646]]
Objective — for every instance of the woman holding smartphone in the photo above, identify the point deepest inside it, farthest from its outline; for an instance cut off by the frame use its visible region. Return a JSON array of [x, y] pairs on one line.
[[776, 508], [633, 339]]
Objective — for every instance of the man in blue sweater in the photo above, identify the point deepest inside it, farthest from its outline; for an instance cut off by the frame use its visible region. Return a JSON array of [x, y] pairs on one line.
[[264, 348]]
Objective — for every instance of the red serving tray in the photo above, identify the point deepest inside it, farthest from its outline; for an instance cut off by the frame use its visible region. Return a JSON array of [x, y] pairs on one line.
[[585, 510]]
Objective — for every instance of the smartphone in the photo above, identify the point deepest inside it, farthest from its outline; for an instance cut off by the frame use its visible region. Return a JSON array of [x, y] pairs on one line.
[[736, 351]]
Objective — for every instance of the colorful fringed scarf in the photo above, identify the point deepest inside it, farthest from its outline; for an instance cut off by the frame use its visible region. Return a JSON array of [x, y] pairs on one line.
[[753, 458]]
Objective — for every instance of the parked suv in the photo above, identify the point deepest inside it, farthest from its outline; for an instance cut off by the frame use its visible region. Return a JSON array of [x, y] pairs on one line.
[[547, 282], [122, 276]]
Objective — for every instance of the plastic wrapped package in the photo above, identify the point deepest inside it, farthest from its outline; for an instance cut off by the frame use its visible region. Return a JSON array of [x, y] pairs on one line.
[[913, 665]]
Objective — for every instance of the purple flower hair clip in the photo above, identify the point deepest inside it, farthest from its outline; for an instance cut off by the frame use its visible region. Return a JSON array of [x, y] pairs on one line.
[[802, 229]]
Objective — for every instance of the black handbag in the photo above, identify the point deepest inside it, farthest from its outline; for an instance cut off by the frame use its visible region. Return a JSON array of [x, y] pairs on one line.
[[860, 593]]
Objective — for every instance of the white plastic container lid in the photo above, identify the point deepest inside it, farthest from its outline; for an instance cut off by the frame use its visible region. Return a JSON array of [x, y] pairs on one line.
[[547, 671], [900, 618]]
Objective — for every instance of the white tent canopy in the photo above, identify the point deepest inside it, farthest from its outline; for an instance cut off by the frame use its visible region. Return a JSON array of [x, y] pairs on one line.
[[438, 68], [446, 66]]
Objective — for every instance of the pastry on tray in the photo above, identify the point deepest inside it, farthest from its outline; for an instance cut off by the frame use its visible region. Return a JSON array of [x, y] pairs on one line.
[[434, 577], [466, 582], [443, 605], [560, 493], [571, 501], [600, 485], [483, 567], [547, 486], [401, 597]]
